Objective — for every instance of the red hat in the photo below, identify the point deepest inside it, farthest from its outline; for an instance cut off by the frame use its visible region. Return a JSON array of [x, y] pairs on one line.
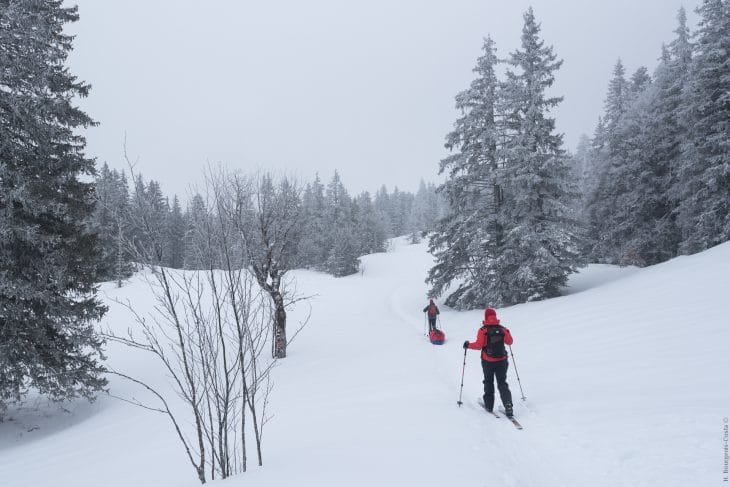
[[490, 317]]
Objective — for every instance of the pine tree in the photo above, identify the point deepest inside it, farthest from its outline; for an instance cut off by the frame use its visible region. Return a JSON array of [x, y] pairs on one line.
[[632, 193], [313, 246], [595, 161], [103, 220], [704, 172], [418, 218], [618, 224], [197, 252], [369, 231], [140, 240], [382, 209], [111, 223], [470, 235], [640, 80], [654, 235], [48, 254], [540, 244], [343, 256], [433, 208], [158, 210], [149, 214], [617, 101], [176, 234], [582, 161], [398, 211], [609, 155]]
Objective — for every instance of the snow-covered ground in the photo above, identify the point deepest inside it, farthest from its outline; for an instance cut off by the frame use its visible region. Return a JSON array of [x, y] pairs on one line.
[[627, 382]]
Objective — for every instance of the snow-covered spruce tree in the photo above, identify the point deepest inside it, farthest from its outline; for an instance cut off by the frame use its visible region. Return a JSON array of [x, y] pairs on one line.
[[140, 240], [633, 205], [468, 239], [582, 163], [48, 255], [417, 219], [639, 82], [395, 215], [657, 136], [370, 232], [703, 181], [623, 223], [112, 224], [617, 100], [425, 212], [176, 235], [343, 256], [401, 206], [606, 159], [382, 209], [313, 245], [196, 217], [540, 235], [159, 209]]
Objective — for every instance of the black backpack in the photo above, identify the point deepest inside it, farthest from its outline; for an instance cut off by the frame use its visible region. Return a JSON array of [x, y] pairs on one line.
[[494, 346]]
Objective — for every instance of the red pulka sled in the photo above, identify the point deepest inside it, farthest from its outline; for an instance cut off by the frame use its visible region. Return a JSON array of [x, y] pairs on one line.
[[437, 337]]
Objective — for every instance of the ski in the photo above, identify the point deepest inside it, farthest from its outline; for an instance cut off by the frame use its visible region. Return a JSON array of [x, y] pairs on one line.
[[481, 403], [512, 419]]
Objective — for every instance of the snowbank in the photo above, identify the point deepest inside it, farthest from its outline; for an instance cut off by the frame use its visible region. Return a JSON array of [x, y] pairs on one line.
[[626, 379]]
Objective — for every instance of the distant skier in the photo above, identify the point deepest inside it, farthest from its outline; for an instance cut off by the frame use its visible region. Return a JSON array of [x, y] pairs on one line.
[[432, 311], [491, 340]]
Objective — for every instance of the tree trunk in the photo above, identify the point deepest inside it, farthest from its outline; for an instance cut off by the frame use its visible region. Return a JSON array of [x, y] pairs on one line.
[[279, 325]]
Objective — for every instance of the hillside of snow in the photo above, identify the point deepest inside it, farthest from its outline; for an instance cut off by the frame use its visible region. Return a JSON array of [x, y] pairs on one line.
[[626, 376]]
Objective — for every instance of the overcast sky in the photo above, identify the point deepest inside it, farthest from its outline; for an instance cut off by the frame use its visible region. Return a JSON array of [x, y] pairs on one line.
[[365, 87]]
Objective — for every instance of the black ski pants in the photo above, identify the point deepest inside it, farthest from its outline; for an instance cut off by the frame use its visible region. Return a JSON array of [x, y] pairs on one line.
[[498, 370], [431, 323]]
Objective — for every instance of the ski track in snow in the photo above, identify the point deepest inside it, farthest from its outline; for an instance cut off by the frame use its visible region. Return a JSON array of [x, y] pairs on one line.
[[625, 378]]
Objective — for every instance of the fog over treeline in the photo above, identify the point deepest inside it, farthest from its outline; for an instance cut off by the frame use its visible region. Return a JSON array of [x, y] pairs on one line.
[[333, 228]]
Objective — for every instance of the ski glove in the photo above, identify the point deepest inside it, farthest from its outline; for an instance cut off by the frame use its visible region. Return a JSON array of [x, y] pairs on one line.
[[466, 344]]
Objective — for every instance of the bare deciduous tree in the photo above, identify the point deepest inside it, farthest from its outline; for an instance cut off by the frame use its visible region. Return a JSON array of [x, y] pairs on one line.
[[266, 213], [209, 328]]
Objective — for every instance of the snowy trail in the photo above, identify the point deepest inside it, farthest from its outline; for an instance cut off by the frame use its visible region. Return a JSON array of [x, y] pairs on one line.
[[396, 393], [626, 380]]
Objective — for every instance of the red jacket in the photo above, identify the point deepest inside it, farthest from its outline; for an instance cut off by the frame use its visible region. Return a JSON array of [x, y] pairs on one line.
[[432, 309], [482, 340]]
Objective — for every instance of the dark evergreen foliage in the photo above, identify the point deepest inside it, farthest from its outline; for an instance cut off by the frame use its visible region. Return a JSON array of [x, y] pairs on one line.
[[175, 225], [48, 252], [111, 221], [703, 184], [541, 238], [470, 236]]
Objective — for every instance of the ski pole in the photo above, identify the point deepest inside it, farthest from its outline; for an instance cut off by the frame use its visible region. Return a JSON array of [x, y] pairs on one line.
[[461, 389], [440, 326], [517, 373], [425, 324]]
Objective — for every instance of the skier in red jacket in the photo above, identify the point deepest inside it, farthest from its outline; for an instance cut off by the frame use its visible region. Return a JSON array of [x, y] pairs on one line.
[[491, 340], [433, 311]]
